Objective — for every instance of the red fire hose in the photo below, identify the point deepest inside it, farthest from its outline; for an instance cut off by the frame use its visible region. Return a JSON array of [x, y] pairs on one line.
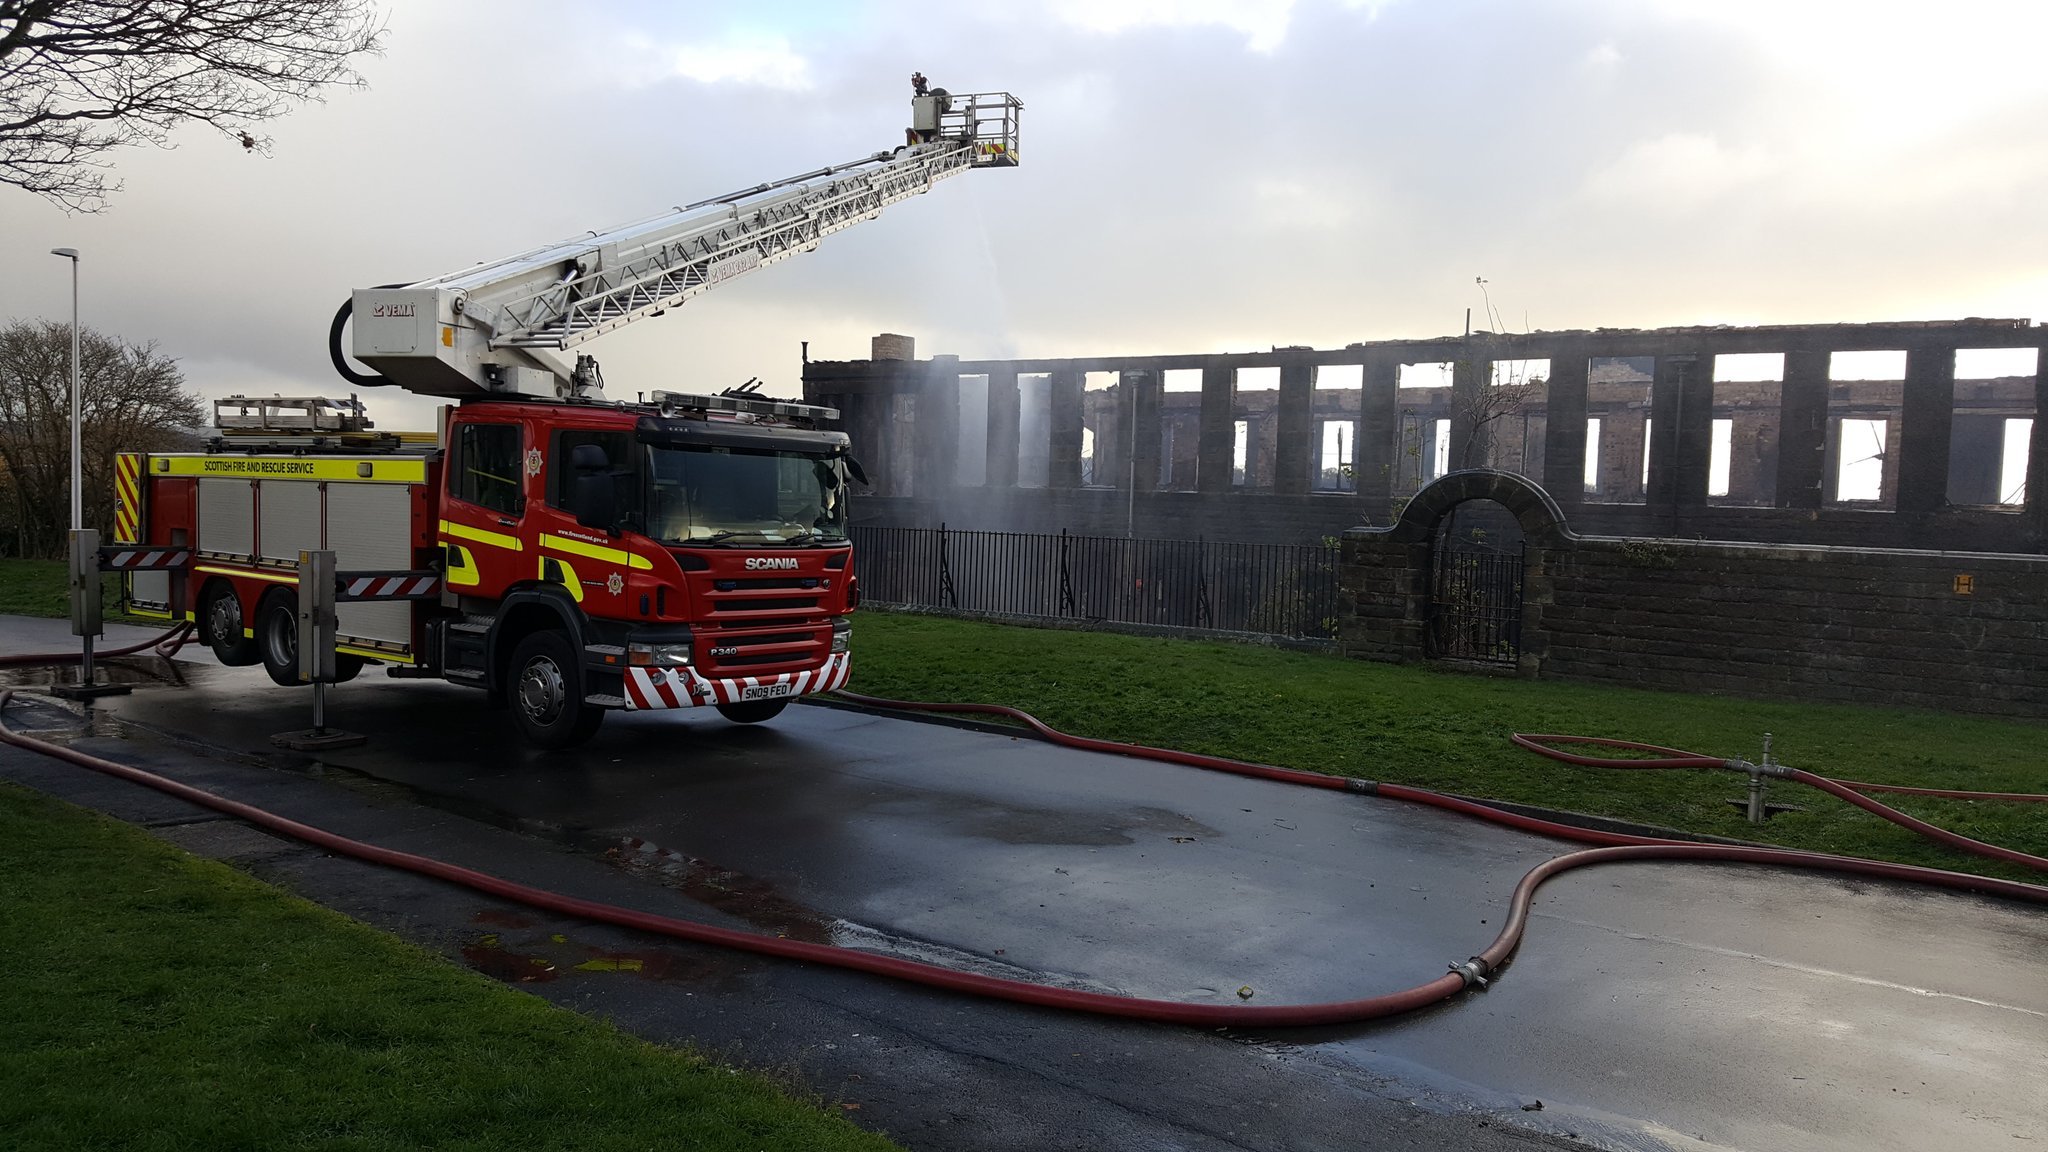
[[1469, 974]]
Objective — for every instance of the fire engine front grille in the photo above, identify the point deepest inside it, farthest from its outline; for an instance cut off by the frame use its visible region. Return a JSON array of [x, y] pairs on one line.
[[762, 653], [764, 606]]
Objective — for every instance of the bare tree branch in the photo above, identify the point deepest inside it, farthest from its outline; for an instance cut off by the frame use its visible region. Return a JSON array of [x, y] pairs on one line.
[[80, 78], [133, 400]]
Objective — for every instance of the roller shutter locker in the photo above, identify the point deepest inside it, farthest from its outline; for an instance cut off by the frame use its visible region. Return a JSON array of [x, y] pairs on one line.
[[289, 516], [369, 528], [227, 516]]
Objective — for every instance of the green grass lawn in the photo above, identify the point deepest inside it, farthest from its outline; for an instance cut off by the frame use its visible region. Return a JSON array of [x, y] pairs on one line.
[[158, 1001], [1449, 731], [40, 588]]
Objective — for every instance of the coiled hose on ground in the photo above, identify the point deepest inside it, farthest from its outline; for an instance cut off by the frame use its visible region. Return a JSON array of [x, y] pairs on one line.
[[1615, 847]]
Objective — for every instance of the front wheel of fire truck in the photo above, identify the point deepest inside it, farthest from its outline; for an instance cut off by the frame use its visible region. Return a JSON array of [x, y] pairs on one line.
[[220, 624], [547, 693], [752, 711]]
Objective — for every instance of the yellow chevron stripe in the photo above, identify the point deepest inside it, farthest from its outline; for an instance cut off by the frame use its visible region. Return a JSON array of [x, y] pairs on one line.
[[482, 536], [595, 551]]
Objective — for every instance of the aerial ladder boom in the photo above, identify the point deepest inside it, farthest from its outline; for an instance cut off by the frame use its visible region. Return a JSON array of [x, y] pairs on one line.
[[494, 329]]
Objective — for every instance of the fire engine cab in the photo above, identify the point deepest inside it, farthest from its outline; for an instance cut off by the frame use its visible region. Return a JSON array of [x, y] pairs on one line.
[[567, 553]]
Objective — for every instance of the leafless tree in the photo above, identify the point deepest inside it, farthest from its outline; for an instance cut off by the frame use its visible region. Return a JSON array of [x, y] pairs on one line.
[[133, 399], [80, 78]]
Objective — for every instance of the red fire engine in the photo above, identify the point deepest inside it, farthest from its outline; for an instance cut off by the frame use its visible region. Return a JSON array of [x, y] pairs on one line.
[[567, 553]]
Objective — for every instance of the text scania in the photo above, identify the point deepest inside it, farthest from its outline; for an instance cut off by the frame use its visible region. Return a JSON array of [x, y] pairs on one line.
[[756, 562], [265, 467]]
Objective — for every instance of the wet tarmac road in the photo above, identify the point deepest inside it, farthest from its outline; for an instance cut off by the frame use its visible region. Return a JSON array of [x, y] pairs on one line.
[[1651, 1006]]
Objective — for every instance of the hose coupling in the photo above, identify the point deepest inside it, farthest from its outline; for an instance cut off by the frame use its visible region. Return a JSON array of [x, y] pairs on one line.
[[1473, 973], [1777, 771]]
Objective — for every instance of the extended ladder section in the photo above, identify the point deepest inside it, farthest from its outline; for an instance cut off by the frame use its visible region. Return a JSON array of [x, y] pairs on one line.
[[493, 328]]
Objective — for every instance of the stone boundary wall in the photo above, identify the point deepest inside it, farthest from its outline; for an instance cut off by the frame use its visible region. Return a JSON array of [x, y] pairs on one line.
[[1962, 632]]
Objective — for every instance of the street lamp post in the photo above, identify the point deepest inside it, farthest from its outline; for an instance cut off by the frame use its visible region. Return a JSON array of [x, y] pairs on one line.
[[85, 585], [77, 423]]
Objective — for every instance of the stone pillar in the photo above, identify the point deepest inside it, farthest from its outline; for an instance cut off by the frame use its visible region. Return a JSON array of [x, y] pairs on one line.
[[1379, 431], [1471, 377], [1564, 427], [1294, 450], [1064, 470], [1212, 469], [1003, 414], [1803, 429], [1682, 413], [2037, 462], [937, 431], [1926, 413], [1146, 386]]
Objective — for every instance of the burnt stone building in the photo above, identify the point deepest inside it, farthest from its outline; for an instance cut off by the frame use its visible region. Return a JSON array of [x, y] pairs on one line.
[[1878, 435]]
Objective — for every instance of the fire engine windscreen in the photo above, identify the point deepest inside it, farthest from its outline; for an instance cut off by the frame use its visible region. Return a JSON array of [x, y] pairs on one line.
[[709, 495]]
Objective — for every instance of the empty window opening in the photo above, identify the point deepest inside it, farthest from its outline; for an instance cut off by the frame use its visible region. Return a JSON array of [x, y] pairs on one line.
[[1749, 388], [1101, 416], [1435, 375], [1258, 379], [1649, 440], [1440, 462], [1866, 395], [1876, 365], [1181, 380], [1510, 418], [2012, 465], [1517, 372], [1034, 429], [1336, 377], [1991, 420], [1859, 471], [1087, 455], [1718, 457], [1618, 399], [1996, 363], [1240, 448], [1593, 455], [1333, 473], [971, 465], [1740, 367]]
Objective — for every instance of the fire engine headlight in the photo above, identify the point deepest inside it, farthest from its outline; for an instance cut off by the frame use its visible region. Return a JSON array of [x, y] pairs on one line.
[[841, 633], [658, 655]]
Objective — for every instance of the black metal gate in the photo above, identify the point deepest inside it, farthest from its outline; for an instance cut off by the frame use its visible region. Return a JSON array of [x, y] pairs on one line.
[[1475, 601]]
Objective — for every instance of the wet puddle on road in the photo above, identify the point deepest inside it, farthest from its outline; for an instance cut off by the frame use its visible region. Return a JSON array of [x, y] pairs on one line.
[[525, 953]]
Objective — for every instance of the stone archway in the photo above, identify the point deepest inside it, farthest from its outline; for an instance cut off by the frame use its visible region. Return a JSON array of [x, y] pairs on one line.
[[1393, 575]]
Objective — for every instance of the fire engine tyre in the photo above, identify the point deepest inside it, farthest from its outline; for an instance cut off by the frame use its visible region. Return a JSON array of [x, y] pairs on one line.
[[220, 622], [277, 643], [752, 711], [547, 693]]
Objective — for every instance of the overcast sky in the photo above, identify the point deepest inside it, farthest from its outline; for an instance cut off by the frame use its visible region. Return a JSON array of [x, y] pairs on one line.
[[1203, 175]]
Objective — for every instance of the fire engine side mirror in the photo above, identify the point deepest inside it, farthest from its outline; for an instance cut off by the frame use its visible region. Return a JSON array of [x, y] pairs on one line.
[[853, 466]]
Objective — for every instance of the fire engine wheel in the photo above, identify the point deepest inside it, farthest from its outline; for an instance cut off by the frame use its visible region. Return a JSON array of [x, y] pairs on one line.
[[277, 642], [547, 693], [220, 620], [752, 711]]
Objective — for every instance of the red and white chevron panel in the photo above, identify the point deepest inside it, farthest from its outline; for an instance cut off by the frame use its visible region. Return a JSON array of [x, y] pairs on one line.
[[141, 558], [653, 688], [384, 587]]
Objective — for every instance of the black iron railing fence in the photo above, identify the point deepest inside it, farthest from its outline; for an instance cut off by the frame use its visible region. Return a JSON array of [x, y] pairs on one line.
[[1278, 589]]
